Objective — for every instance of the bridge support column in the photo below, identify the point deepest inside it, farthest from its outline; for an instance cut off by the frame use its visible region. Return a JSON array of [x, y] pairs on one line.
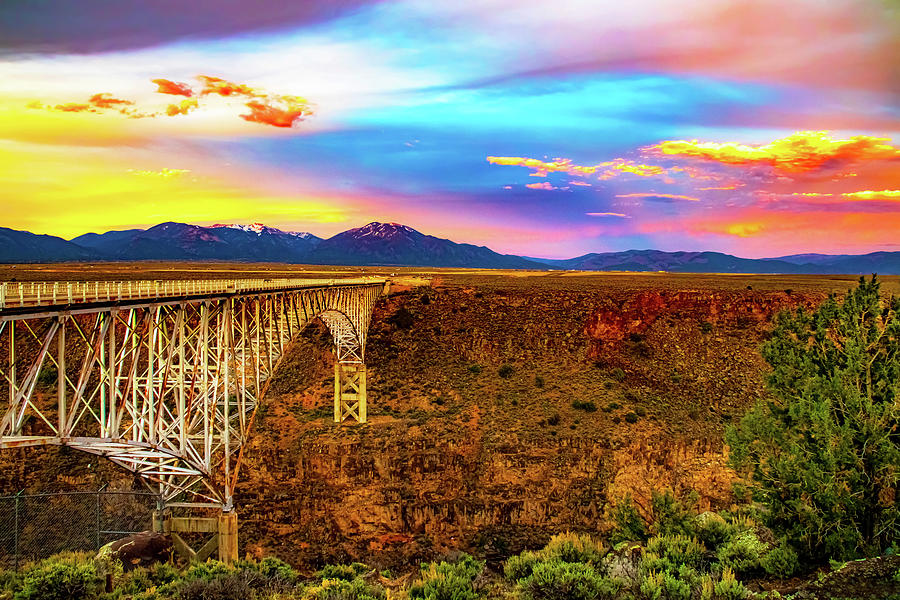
[[224, 530], [349, 392]]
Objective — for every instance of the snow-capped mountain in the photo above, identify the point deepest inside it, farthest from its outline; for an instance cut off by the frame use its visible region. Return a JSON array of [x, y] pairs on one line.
[[396, 244], [179, 241], [260, 229]]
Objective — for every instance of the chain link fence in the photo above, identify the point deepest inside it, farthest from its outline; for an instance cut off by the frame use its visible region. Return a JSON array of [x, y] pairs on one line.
[[35, 526]]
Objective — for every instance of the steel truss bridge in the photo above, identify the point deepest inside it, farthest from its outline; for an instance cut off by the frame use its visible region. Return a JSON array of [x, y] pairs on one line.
[[163, 377]]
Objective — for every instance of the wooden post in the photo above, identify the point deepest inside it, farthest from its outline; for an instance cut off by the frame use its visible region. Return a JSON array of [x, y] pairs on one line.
[[228, 537], [361, 386], [349, 392], [338, 404]]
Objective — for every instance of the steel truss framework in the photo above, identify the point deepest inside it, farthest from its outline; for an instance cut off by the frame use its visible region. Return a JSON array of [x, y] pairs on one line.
[[166, 385]]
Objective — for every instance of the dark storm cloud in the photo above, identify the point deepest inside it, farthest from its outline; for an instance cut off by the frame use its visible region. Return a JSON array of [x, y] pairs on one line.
[[89, 26]]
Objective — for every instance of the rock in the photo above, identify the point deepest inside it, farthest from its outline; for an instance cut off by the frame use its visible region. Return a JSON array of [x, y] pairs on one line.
[[139, 549]]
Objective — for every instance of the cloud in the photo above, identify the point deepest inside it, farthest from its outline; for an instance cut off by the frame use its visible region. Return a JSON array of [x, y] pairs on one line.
[[604, 171], [171, 87], [222, 87], [165, 173], [541, 186], [721, 187], [269, 109], [802, 152], [542, 168], [93, 26], [96, 103], [873, 195], [608, 214], [73, 107], [581, 183], [621, 165], [278, 111], [653, 195], [107, 101], [182, 108]]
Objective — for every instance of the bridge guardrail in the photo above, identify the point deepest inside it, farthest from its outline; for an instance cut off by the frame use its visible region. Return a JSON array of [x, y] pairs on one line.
[[40, 293]]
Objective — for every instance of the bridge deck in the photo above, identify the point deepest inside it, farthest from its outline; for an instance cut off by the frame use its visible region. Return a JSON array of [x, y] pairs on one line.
[[45, 294]]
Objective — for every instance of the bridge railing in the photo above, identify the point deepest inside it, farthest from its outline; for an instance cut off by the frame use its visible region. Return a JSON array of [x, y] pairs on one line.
[[48, 293]]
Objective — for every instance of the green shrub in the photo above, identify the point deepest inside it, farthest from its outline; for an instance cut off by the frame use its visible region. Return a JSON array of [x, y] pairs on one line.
[[585, 405], [61, 579], [564, 547], [538, 381], [447, 580], [475, 369], [520, 566], [559, 580], [728, 587], [670, 515], [139, 582], [10, 581], [676, 550], [231, 586], [628, 526], [574, 548], [712, 529], [341, 589], [209, 570], [345, 572], [612, 406], [706, 327], [506, 371], [823, 451], [631, 417], [742, 553], [781, 561], [618, 374], [276, 569]]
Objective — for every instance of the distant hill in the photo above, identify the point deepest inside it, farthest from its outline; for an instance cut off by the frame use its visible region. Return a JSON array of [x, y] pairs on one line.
[[393, 244], [24, 247], [682, 262]]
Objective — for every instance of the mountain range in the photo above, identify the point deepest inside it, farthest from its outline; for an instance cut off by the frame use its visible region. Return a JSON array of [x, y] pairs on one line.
[[392, 244]]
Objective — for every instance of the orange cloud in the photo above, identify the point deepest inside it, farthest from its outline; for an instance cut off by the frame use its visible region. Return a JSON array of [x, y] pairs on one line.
[[810, 194], [279, 111], [542, 168], [873, 195], [654, 195], [268, 109], [74, 107], [608, 214], [721, 187], [801, 152], [165, 172], [182, 108], [222, 87], [107, 101], [541, 186], [620, 165], [165, 86]]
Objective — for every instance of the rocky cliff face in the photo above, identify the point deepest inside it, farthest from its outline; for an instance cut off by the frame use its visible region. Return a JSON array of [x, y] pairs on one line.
[[607, 392]]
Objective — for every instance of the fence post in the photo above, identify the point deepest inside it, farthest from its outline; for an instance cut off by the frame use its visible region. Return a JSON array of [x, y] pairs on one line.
[[16, 532], [97, 515]]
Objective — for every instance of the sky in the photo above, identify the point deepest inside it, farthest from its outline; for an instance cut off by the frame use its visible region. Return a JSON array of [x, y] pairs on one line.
[[758, 128]]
